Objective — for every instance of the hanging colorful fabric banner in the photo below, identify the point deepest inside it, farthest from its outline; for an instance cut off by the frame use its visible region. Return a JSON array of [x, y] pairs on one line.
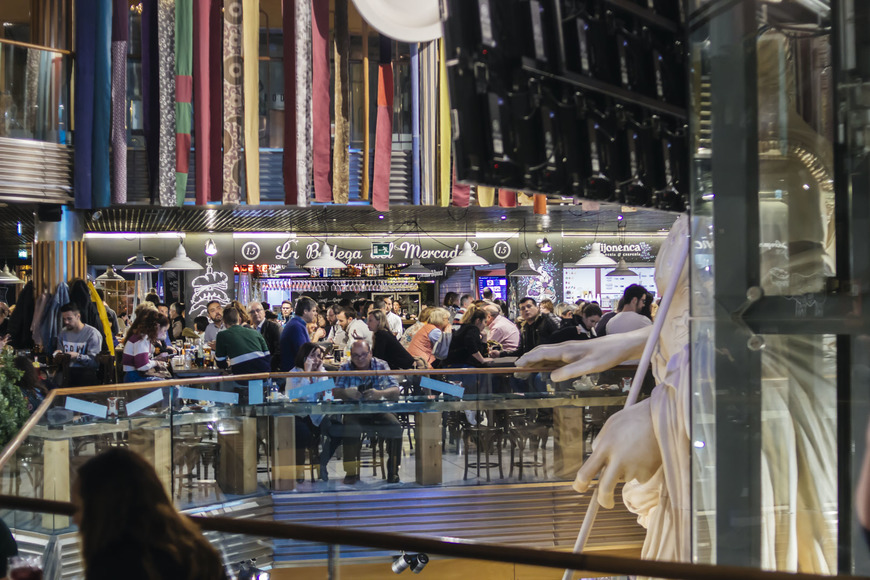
[[304, 80], [150, 95], [86, 14], [540, 204], [102, 30], [120, 14], [233, 74], [365, 183], [340, 155], [383, 128], [166, 50], [183, 94], [444, 136], [250, 51], [429, 117], [320, 101], [460, 193], [485, 196], [208, 100], [507, 198], [415, 123], [288, 166]]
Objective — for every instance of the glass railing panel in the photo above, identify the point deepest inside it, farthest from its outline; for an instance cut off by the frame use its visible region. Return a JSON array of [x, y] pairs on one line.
[[34, 94]]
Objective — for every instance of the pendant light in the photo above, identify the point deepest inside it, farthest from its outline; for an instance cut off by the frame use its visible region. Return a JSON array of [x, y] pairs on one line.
[[595, 257], [109, 276], [325, 260], [139, 265], [621, 269], [467, 257], [181, 261], [291, 270], [7, 277], [416, 268], [525, 266]]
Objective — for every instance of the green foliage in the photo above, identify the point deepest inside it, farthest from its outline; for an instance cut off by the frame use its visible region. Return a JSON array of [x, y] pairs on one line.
[[13, 405]]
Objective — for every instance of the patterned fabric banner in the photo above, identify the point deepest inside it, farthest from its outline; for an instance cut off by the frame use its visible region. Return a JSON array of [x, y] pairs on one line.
[[297, 101], [120, 14], [151, 95], [365, 184], [102, 30], [208, 98], [485, 196], [383, 128], [320, 101], [429, 116], [250, 51], [232, 101], [415, 123], [340, 155], [183, 94], [166, 42]]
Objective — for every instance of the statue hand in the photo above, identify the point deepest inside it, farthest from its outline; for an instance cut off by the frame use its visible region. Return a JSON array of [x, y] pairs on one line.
[[582, 357], [625, 449]]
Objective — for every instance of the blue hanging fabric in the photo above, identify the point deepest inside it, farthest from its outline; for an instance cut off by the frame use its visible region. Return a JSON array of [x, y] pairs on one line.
[[86, 15], [102, 104]]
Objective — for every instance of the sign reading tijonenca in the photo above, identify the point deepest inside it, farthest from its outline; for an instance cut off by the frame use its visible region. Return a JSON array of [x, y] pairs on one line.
[[360, 250]]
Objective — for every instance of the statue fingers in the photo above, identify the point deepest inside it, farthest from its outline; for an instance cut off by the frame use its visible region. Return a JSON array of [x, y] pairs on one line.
[[588, 472], [606, 486]]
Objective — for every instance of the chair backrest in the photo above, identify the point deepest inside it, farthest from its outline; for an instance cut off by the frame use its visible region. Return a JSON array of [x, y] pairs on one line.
[[106, 370]]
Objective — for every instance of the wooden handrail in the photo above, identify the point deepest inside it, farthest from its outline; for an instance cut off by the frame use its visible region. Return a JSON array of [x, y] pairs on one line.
[[452, 547]]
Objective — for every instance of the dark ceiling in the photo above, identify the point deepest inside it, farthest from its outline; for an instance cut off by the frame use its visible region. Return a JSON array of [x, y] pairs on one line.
[[333, 219]]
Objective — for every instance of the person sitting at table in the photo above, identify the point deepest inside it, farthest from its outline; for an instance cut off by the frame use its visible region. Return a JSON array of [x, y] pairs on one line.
[[215, 313], [430, 335], [270, 330], [373, 387], [241, 349], [468, 350], [295, 331], [309, 359], [537, 327], [386, 345], [176, 319], [82, 342], [584, 330], [30, 383], [501, 330], [138, 363], [409, 333], [354, 329]]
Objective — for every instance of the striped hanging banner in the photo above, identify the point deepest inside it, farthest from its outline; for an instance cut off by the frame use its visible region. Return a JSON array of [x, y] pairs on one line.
[[444, 135], [507, 198], [340, 156], [540, 204], [86, 15], [120, 14], [320, 101], [183, 94], [383, 127], [102, 30], [415, 123], [216, 99], [166, 50], [250, 50], [429, 118], [460, 193], [485, 196], [232, 174], [150, 95], [304, 80], [365, 186]]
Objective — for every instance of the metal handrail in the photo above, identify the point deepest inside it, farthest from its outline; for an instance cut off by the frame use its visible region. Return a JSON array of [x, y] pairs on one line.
[[35, 46], [453, 547]]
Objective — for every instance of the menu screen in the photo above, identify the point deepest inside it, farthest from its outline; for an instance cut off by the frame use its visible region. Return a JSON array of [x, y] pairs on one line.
[[497, 284]]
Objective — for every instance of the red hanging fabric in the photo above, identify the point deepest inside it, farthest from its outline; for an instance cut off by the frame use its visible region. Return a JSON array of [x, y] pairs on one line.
[[383, 128], [461, 193], [291, 186], [321, 101], [540, 204], [507, 198]]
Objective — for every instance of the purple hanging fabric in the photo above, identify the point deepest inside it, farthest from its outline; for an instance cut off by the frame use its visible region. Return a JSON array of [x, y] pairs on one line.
[[86, 14], [120, 39]]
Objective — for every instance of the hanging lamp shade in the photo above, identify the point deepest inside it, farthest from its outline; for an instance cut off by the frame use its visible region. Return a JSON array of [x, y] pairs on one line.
[[291, 270], [7, 277], [525, 270], [139, 265], [181, 261], [325, 260], [621, 270], [416, 269], [109, 275], [595, 258], [467, 257]]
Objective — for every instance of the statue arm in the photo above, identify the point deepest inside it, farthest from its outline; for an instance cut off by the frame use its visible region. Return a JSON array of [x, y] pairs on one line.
[[581, 357]]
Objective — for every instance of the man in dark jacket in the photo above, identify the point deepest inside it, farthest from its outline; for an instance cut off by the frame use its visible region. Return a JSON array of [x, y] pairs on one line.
[[270, 330], [295, 331], [537, 327]]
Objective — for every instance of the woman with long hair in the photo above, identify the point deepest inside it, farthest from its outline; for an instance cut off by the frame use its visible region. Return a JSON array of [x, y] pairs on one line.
[[430, 334], [129, 527], [244, 317], [149, 327], [386, 346], [30, 383]]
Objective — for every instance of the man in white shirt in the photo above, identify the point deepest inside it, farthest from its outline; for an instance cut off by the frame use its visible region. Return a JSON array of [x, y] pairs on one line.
[[394, 320], [634, 299], [354, 329]]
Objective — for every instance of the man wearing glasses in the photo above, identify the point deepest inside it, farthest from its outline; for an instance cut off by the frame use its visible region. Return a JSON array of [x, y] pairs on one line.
[[368, 387]]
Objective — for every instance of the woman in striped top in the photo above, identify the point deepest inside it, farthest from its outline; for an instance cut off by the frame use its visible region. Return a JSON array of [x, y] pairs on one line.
[[148, 327]]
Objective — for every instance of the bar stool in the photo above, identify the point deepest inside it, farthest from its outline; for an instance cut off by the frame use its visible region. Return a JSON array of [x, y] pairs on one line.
[[536, 434], [483, 437]]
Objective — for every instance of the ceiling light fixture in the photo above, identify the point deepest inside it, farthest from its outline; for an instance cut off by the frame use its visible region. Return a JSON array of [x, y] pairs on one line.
[[467, 257], [292, 270], [595, 258], [544, 245], [325, 260], [109, 276], [210, 248], [139, 265], [7, 277], [621, 269], [525, 268], [181, 261]]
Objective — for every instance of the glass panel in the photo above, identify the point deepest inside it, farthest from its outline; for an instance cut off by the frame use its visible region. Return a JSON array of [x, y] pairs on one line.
[[34, 94]]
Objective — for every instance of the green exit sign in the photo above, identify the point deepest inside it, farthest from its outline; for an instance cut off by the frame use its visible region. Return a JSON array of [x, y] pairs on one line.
[[22, 254], [381, 249]]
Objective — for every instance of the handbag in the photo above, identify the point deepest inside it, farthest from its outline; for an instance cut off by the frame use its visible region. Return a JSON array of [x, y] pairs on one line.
[[442, 347]]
